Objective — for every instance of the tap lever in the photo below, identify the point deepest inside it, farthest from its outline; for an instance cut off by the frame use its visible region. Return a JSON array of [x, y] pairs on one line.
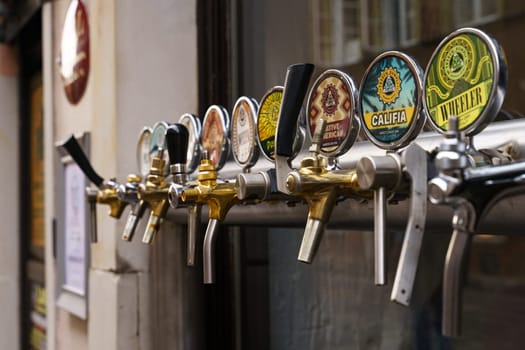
[[177, 143], [414, 159], [76, 152], [295, 88]]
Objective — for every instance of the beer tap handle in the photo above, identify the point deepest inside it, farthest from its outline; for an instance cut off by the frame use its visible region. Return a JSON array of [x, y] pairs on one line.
[[295, 87], [177, 137], [463, 223], [76, 152], [415, 165], [177, 143], [194, 223], [208, 251]]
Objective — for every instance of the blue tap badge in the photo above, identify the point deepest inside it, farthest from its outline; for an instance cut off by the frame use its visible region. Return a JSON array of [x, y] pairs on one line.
[[390, 100]]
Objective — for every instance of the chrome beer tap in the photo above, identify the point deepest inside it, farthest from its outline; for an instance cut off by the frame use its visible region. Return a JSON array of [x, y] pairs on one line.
[[129, 191], [261, 186], [177, 139], [107, 190], [193, 154], [153, 192], [390, 100], [334, 125], [219, 195], [471, 191], [463, 95]]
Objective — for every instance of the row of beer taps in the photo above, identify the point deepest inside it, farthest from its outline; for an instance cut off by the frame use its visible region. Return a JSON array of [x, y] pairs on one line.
[[460, 93]]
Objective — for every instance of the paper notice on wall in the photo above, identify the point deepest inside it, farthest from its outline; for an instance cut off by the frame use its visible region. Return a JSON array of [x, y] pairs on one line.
[[75, 230]]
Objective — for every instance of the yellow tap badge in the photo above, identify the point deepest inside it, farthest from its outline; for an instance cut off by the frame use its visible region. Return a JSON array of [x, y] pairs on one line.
[[460, 80], [267, 121]]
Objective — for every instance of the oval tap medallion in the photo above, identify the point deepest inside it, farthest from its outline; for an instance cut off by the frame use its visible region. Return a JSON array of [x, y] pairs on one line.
[[333, 98], [215, 135], [244, 143], [267, 121], [158, 142], [465, 77], [390, 99], [143, 151]]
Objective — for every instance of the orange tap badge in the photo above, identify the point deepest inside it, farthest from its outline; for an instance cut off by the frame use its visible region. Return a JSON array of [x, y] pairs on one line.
[[214, 135]]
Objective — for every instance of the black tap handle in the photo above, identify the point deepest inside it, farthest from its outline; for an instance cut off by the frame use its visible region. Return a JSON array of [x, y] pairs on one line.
[[295, 87], [76, 152], [177, 143]]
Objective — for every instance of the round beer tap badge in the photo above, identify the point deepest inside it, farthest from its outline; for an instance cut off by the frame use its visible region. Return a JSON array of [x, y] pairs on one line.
[[244, 145], [390, 100], [158, 142], [267, 121], [462, 78], [143, 151], [214, 135], [332, 98]]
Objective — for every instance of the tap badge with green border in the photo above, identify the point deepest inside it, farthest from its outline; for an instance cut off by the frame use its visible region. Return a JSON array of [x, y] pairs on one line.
[[333, 98], [390, 100], [267, 121], [461, 80]]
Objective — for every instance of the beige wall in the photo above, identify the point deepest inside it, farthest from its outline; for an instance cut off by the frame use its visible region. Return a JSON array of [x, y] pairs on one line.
[[143, 69]]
